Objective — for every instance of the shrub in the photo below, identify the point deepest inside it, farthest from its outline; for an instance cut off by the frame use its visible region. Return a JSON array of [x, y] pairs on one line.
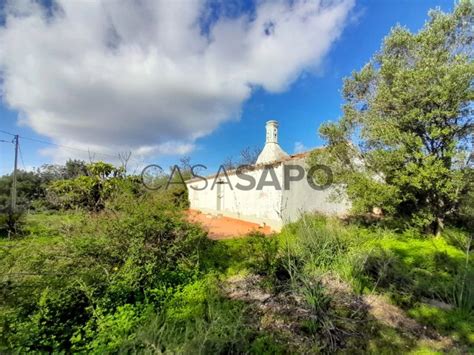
[[11, 223], [69, 289], [262, 252], [86, 191], [113, 330]]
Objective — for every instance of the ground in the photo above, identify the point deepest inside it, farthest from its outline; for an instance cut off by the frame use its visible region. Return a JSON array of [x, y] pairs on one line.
[[283, 313], [221, 227]]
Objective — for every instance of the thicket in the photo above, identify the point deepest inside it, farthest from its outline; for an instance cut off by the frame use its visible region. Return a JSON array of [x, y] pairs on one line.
[[100, 272]]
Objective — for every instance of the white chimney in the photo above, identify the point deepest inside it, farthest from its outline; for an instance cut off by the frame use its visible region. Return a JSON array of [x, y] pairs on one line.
[[272, 132], [272, 150]]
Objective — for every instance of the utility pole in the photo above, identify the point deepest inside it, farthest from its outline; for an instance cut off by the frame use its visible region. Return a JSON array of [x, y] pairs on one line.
[[15, 141]]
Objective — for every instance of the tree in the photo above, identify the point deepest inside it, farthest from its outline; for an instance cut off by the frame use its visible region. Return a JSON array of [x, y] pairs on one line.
[[72, 169], [28, 189], [402, 142], [86, 191], [249, 155]]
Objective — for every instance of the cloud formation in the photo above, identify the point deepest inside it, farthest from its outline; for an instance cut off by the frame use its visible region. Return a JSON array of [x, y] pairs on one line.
[[299, 147], [147, 75]]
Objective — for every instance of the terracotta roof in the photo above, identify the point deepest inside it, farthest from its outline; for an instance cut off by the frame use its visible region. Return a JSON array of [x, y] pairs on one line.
[[259, 166]]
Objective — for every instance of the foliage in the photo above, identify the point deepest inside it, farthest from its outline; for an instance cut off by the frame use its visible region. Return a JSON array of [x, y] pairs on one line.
[[136, 255], [86, 191], [456, 322], [312, 249], [196, 320], [28, 189], [31, 184], [136, 277], [464, 218], [409, 112], [413, 269], [408, 267], [11, 223], [70, 170]]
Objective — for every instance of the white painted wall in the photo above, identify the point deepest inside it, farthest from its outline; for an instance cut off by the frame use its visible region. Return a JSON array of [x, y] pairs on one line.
[[259, 206], [301, 198], [270, 206]]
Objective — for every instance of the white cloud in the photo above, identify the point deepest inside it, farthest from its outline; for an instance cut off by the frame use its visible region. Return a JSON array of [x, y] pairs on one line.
[[125, 75], [299, 147]]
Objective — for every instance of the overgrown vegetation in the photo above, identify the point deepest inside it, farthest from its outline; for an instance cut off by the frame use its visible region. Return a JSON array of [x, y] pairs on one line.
[[138, 277], [403, 143], [92, 262], [135, 276]]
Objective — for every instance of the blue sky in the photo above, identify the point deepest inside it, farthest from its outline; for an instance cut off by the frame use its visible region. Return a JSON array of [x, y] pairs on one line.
[[300, 107]]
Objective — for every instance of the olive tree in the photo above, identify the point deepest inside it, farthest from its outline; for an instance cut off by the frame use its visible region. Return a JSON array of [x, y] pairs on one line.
[[403, 140]]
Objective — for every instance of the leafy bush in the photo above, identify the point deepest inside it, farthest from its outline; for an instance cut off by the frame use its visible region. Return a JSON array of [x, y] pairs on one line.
[[29, 188], [86, 191], [263, 253], [113, 330], [67, 290], [11, 223]]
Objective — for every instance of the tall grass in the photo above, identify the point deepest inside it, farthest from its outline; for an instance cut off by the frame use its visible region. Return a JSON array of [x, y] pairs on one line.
[[409, 268]]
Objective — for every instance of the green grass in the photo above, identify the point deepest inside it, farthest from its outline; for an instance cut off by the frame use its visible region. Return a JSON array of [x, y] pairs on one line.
[[108, 271], [406, 266], [454, 322], [52, 224]]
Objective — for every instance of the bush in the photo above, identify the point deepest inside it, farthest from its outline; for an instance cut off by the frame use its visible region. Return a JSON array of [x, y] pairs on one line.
[[67, 290], [11, 223], [86, 191], [262, 252]]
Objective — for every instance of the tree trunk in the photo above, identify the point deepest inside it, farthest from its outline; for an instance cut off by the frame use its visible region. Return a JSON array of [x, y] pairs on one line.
[[438, 226]]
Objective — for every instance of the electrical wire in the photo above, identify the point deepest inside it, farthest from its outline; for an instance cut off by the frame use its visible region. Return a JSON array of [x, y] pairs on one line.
[[60, 145], [11, 134], [67, 147]]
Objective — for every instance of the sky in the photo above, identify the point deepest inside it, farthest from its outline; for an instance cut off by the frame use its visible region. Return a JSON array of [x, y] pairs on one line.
[[167, 79]]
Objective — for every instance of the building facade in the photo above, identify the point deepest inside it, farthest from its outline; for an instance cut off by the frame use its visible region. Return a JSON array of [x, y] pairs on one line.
[[273, 192]]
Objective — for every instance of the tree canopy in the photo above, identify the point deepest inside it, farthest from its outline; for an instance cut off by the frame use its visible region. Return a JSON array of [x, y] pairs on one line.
[[403, 140]]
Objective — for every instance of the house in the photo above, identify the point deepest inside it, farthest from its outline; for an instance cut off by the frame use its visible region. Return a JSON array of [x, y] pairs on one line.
[[275, 191]]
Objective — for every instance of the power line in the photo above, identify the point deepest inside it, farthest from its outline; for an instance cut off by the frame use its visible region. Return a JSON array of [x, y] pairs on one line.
[[66, 147], [60, 145], [11, 134]]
